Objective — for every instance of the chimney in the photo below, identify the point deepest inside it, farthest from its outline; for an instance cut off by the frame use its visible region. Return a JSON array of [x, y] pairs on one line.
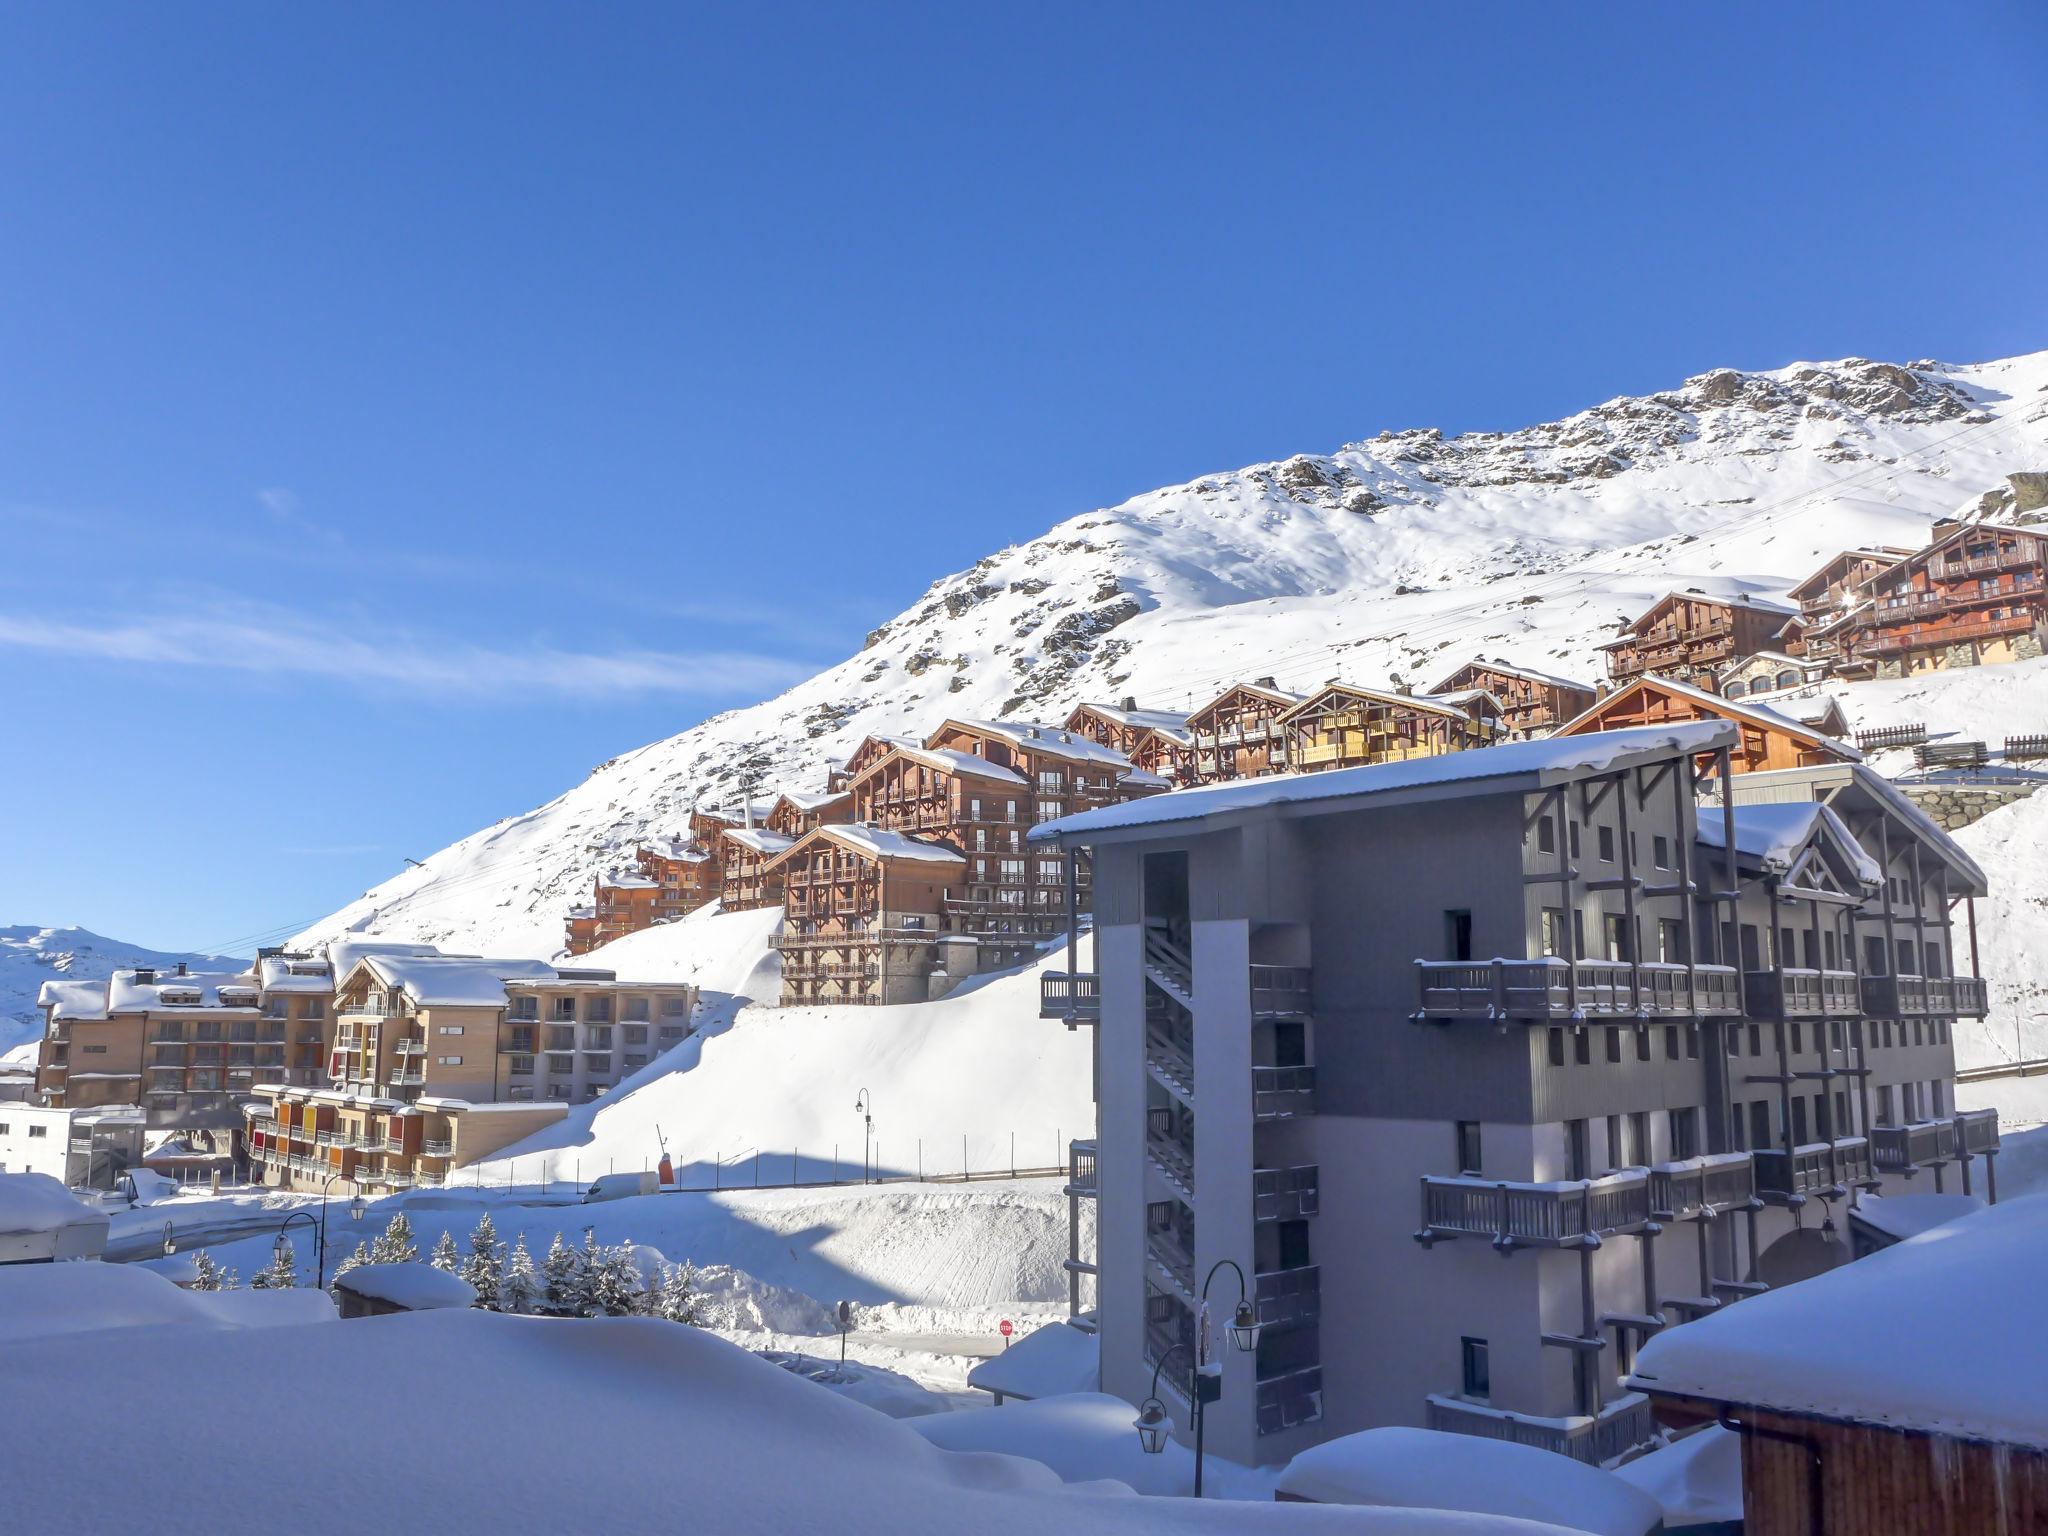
[[144, 975], [181, 967], [1130, 702], [1265, 682]]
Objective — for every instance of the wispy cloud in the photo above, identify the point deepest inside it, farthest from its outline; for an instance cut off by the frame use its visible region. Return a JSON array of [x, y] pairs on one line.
[[283, 506], [268, 643]]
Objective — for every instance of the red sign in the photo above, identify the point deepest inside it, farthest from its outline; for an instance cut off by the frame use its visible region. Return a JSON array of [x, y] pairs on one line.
[[1004, 1328]]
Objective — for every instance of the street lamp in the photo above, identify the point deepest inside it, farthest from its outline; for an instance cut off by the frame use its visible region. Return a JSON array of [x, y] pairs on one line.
[[356, 1207], [864, 1106], [170, 1242], [1206, 1379]]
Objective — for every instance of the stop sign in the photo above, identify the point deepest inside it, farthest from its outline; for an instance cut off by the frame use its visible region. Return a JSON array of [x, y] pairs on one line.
[[1004, 1328]]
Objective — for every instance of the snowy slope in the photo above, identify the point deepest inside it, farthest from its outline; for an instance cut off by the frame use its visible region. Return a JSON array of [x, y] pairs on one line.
[[30, 956], [1399, 555]]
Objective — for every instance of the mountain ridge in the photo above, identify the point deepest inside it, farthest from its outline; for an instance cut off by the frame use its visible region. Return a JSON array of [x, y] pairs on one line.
[[1397, 555]]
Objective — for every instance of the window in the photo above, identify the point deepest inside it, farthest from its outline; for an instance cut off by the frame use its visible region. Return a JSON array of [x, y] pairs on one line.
[[1798, 1119], [447, 1061], [1582, 1046], [1477, 1382], [1660, 851], [1756, 1040], [1685, 1134], [1606, 843], [1671, 941], [1798, 1038], [636, 1034], [1554, 939], [519, 1066], [1671, 1042], [1469, 1150], [1614, 930], [1546, 836], [1556, 1047], [1759, 1125], [36, 1132], [451, 1029], [674, 1005], [1578, 1151], [1736, 690], [1642, 1043], [1575, 839], [1639, 1138], [1614, 1044], [1617, 1154], [562, 1008]]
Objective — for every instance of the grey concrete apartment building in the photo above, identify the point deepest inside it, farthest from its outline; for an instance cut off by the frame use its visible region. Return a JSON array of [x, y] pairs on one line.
[[1482, 1068]]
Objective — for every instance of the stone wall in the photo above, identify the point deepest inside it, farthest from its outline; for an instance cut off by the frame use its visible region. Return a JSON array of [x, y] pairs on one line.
[[1955, 806]]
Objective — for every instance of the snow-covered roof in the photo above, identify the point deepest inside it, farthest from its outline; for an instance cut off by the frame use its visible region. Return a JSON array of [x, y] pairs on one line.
[[1044, 1363], [678, 850], [1716, 599], [1529, 674], [1403, 1468], [947, 760], [1049, 739], [454, 981], [807, 800], [1714, 703], [1902, 809], [415, 1286], [1435, 704], [35, 1202], [294, 973], [1698, 1479], [1448, 773], [1957, 1310], [1774, 833], [1264, 690], [1168, 722], [73, 999], [876, 843], [128, 993], [344, 954], [625, 880], [759, 839], [1902, 1216]]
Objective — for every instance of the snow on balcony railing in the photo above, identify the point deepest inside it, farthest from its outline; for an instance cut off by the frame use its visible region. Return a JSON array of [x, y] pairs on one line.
[[1551, 1215], [1544, 989], [1702, 1186]]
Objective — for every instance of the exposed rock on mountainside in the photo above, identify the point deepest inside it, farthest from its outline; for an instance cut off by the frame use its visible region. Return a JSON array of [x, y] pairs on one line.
[[1405, 553]]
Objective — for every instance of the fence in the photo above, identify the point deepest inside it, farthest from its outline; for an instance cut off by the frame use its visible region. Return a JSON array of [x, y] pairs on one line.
[[1892, 736], [2019, 749]]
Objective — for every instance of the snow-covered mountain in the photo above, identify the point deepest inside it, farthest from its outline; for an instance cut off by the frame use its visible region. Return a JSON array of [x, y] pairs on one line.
[[30, 956], [1398, 556]]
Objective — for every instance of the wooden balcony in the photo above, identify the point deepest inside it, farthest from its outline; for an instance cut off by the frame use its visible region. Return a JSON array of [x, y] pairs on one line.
[[1702, 1186], [1075, 997], [1880, 642], [1286, 1194], [1606, 989], [1977, 1131], [1814, 1168], [1807, 994], [1592, 1438], [1905, 997], [1906, 1149], [1083, 1177], [1553, 1215]]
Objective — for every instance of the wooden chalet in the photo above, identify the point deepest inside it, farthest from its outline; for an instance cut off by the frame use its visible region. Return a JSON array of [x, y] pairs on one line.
[[685, 873], [745, 853], [1155, 740], [1691, 636], [796, 812], [1891, 1396], [624, 903], [1238, 734], [1975, 595], [1770, 739], [1836, 587], [862, 913], [1342, 725], [579, 930], [1531, 703]]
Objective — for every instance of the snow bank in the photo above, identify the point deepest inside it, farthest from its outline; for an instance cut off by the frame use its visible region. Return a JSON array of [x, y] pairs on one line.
[[1422, 1468], [1946, 1369], [1903, 1216], [1698, 1480], [1046, 1362], [43, 1301], [761, 1451], [781, 1082], [413, 1285], [1089, 1438]]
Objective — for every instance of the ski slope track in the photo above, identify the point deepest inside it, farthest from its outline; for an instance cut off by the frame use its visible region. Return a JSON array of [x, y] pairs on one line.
[[1397, 557]]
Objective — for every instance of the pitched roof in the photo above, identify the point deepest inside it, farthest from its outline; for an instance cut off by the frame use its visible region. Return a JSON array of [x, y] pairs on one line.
[[1820, 580], [1720, 600], [1271, 695], [1165, 721], [1773, 834], [1434, 705], [872, 842], [1049, 739], [947, 760], [1529, 674], [1714, 703]]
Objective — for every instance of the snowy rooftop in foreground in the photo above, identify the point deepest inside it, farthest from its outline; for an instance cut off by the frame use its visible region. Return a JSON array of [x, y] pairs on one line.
[[1403, 1467], [415, 1286], [1957, 1369], [761, 1450], [35, 1202], [1450, 773], [1044, 1363]]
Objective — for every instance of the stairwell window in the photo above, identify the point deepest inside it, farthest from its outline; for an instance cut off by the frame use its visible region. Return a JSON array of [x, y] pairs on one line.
[[1470, 1158]]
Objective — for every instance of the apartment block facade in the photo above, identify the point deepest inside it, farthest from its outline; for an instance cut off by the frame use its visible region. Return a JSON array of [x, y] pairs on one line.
[[1977, 594], [1691, 636], [1652, 1049], [1238, 734]]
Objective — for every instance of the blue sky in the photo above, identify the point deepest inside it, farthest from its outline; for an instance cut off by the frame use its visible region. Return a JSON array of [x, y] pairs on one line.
[[404, 409]]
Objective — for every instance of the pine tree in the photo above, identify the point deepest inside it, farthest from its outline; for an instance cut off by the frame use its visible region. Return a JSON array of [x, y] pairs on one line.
[[616, 1288], [584, 1280], [207, 1275], [354, 1261], [485, 1264], [521, 1288], [445, 1255], [395, 1246], [558, 1278], [677, 1298], [282, 1274]]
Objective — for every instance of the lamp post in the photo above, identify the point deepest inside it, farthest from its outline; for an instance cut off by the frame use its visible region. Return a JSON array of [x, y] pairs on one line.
[[1206, 1379], [864, 1106], [170, 1242], [356, 1207]]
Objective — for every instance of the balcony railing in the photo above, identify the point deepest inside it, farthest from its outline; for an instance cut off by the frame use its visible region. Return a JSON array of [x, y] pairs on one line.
[[1977, 1130], [1280, 989], [1810, 1170], [1286, 1194], [1281, 1091], [1542, 989], [402, 1077], [1808, 994], [1287, 1400], [1702, 1186], [1901, 997], [1078, 996], [1552, 1215], [1083, 1177], [433, 1148], [1907, 1149], [1289, 1298], [1618, 1427], [1878, 642]]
